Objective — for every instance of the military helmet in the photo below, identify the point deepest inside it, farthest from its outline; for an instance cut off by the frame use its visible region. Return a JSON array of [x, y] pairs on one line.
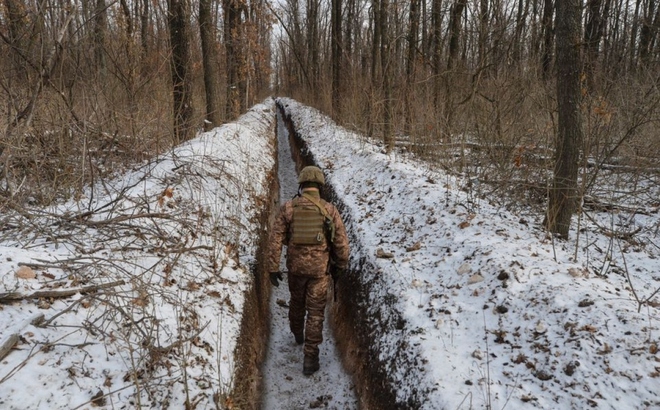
[[311, 174]]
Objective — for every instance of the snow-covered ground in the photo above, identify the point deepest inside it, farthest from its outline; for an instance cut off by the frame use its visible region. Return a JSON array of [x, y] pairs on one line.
[[469, 305], [175, 238]]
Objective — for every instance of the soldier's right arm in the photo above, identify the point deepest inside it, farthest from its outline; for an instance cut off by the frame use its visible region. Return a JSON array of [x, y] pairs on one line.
[[277, 238]]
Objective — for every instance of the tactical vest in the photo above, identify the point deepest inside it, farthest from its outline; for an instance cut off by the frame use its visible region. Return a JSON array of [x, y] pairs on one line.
[[307, 225]]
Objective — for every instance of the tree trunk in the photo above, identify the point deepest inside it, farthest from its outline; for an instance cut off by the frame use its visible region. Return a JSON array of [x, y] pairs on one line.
[[484, 27], [177, 17], [633, 37], [593, 32], [455, 28], [313, 45], [546, 53], [375, 60], [437, 64], [100, 29], [234, 56], [521, 22], [646, 33], [144, 29], [336, 58], [210, 64], [385, 60], [413, 35], [563, 195]]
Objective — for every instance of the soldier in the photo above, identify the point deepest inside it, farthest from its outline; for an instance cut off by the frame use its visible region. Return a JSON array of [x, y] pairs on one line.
[[315, 237]]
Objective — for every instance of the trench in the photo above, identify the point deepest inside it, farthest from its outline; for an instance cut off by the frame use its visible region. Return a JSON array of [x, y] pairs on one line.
[[283, 385], [269, 366], [354, 329]]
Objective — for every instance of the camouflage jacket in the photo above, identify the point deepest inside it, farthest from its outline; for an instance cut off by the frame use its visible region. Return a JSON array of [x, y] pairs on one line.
[[306, 260]]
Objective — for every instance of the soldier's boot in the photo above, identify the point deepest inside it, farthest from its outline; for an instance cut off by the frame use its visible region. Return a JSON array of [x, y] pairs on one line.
[[310, 365], [300, 339]]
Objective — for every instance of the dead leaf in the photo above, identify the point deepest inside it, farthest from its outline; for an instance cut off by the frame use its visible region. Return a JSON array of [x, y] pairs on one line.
[[464, 268], [141, 302], [475, 279], [380, 253], [44, 303], [417, 246], [167, 193], [464, 224], [214, 294], [98, 399], [25, 272], [606, 349], [193, 286]]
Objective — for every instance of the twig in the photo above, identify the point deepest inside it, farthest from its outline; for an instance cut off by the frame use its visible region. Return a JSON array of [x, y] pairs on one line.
[[60, 313]]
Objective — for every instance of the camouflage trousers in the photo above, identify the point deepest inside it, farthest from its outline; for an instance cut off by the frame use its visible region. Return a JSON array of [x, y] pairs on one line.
[[308, 295]]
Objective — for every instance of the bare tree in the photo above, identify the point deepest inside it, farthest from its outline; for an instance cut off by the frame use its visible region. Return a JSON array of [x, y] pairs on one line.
[[548, 35], [100, 29], [385, 60], [235, 57], [336, 56], [178, 21], [413, 36], [563, 193], [210, 62]]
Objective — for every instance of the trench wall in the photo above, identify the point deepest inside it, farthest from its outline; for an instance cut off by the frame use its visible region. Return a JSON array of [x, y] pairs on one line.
[[251, 348], [349, 320]]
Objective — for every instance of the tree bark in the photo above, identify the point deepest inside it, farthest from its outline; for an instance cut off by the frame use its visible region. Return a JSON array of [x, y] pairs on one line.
[[455, 28], [437, 64], [179, 27], [593, 32], [313, 45], [646, 33], [210, 63], [563, 193], [548, 34], [100, 29], [234, 57], [413, 36], [144, 29], [385, 60], [336, 57]]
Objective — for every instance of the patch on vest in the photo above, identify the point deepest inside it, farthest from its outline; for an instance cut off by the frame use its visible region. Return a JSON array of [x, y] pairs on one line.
[[307, 225]]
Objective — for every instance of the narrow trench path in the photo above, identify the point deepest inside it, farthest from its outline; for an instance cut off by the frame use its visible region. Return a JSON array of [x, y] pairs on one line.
[[285, 386]]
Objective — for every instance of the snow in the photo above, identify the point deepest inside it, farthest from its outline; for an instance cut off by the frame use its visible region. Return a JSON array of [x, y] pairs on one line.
[[470, 305], [478, 307], [181, 231]]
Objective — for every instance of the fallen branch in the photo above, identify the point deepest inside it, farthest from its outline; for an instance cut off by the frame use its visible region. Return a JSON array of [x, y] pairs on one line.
[[597, 204], [8, 344], [58, 293], [12, 339]]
